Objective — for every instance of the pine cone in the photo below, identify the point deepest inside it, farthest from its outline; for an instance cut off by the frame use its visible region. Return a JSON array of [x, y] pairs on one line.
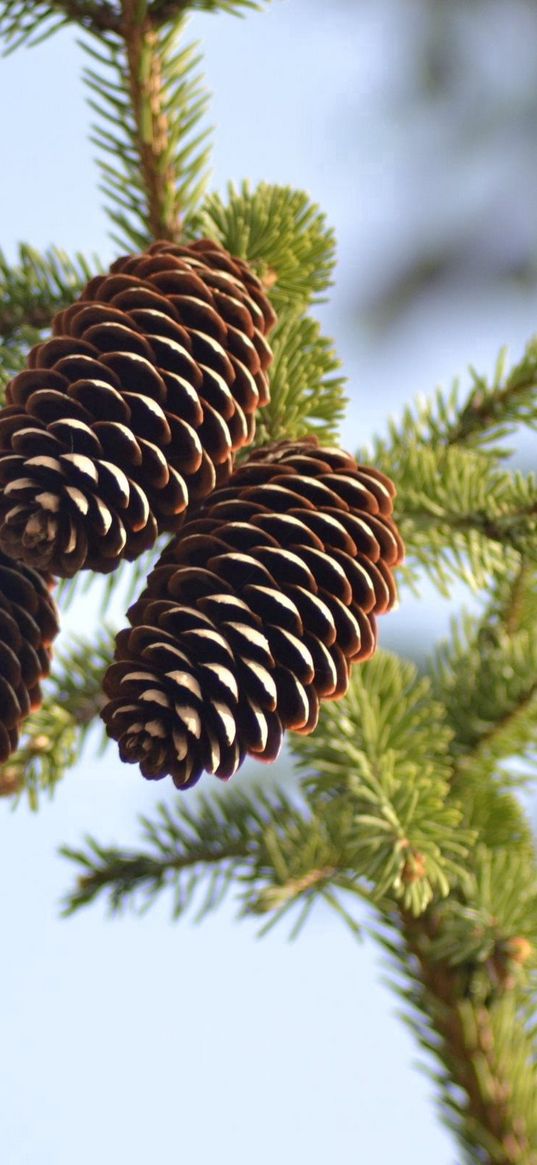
[[134, 408], [28, 625], [254, 614]]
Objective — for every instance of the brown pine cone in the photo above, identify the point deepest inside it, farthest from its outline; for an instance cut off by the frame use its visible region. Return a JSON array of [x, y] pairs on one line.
[[254, 613], [134, 408], [28, 625]]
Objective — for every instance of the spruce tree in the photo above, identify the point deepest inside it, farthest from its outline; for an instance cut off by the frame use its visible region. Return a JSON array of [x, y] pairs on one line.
[[407, 792]]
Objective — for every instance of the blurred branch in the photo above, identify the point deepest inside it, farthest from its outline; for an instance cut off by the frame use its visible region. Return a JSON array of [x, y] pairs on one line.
[[486, 678], [486, 1048], [167, 10], [511, 399], [37, 286], [247, 837], [23, 22], [96, 15], [122, 874], [54, 735]]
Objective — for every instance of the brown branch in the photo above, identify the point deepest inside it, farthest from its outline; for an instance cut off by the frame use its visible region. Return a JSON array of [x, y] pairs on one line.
[[33, 315], [464, 1025], [485, 409], [467, 1047], [95, 16], [274, 897], [500, 725], [496, 529], [512, 613], [122, 873], [168, 10], [152, 128], [478, 745]]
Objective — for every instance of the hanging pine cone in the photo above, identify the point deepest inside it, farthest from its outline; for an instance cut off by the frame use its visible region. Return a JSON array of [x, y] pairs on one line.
[[28, 625], [254, 613], [134, 408]]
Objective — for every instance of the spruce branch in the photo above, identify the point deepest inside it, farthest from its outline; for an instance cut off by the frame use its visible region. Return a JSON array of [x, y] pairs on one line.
[[486, 678], [94, 15], [37, 286], [461, 516], [470, 954], [487, 1078], [518, 601], [281, 234], [54, 735], [145, 81], [25, 23], [124, 875], [513, 599], [167, 10], [274, 851], [306, 389], [478, 420], [147, 62], [469, 964], [470, 958], [13, 356], [495, 815], [492, 410], [383, 752], [150, 102], [495, 904], [32, 289]]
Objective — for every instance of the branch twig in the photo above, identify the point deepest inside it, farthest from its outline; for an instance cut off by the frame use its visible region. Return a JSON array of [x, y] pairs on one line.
[[91, 14], [486, 409], [152, 128], [468, 1049]]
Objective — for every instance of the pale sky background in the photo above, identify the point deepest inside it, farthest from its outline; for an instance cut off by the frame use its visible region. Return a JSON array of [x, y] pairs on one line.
[[140, 1039]]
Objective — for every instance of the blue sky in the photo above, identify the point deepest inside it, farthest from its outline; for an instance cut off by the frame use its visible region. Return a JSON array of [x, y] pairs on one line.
[[140, 1039]]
